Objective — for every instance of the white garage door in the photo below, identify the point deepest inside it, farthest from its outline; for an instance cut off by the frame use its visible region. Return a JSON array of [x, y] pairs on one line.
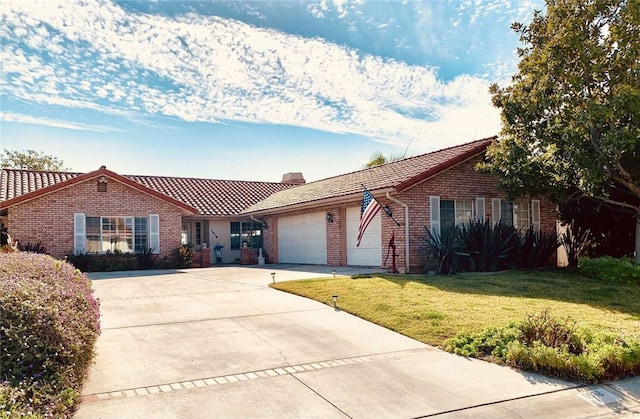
[[370, 251], [302, 239]]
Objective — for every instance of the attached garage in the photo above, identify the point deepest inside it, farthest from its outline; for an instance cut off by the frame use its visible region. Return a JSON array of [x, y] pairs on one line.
[[303, 239], [369, 253]]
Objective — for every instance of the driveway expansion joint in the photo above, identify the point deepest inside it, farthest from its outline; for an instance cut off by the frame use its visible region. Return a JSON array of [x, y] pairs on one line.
[[278, 371]]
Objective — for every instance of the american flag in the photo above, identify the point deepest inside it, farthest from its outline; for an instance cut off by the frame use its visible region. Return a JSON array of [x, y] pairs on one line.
[[369, 208]]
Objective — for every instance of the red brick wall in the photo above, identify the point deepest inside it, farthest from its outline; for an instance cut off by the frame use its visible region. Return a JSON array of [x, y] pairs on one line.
[[269, 239], [460, 182], [49, 219], [336, 240]]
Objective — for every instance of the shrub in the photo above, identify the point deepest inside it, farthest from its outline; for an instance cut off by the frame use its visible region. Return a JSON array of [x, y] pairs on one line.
[[112, 261], [606, 268], [576, 241], [489, 245], [49, 324], [486, 247], [32, 247], [146, 259], [550, 332], [554, 347], [183, 255], [447, 248], [533, 249]]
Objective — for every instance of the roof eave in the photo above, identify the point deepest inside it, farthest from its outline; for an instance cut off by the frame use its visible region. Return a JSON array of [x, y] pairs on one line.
[[343, 199], [185, 209], [479, 149]]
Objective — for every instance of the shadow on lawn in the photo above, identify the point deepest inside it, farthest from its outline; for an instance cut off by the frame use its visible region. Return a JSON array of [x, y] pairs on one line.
[[559, 285]]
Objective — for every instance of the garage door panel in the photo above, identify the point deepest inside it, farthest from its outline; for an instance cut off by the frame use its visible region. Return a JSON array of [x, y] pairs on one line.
[[369, 253], [302, 239]]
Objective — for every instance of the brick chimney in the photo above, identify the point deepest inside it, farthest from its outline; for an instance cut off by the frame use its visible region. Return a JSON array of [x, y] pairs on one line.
[[293, 177]]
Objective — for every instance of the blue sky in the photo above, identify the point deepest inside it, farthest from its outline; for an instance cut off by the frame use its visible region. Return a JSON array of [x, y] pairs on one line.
[[250, 90]]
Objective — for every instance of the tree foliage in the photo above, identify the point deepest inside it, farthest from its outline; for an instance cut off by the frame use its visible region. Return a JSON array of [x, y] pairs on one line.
[[30, 160], [378, 159], [571, 115]]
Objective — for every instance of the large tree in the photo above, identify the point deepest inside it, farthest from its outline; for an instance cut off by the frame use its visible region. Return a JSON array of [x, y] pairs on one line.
[[571, 115], [30, 160]]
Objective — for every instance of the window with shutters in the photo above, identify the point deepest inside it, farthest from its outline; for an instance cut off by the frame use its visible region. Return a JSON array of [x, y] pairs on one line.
[[124, 234], [455, 213], [521, 214], [521, 218]]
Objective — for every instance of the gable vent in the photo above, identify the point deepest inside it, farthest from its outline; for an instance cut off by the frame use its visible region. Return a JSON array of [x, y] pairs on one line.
[[102, 184]]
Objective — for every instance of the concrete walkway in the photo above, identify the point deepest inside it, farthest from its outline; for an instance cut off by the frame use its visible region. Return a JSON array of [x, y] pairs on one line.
[[219, 343]]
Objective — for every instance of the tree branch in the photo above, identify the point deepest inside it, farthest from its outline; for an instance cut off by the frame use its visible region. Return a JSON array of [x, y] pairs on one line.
[[617, 203]]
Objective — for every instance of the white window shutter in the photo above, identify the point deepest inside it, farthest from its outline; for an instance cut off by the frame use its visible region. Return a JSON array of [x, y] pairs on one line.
[[480, 212], [154, 232], [535, 215], [434, 209], [496, 215], [79, 233]]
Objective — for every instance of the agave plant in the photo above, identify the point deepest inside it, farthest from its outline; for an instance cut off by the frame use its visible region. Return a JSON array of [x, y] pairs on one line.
[[447, 247], [487, 244], [534, 249], [576, 241]]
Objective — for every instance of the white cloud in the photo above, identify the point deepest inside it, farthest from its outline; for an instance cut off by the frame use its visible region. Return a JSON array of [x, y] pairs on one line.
[[55, 123], [211, 69]]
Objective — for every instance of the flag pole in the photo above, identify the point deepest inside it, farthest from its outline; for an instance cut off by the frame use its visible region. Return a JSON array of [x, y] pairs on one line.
[[385, 208]]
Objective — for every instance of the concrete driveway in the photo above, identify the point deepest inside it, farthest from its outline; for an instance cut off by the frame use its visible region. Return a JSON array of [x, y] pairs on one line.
[[218, 342]]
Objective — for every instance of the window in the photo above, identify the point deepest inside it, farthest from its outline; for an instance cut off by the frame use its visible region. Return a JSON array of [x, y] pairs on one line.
[[124, 234], [515, 214], [506, 213], [447, 215], [186, 234], [521, 218], [245, 233], [198, 233], [518, 213], [141, 234], [464, 211], [455, 213]]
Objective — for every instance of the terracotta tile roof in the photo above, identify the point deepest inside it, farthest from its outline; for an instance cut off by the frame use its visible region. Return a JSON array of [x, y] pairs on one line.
[[397, 175], [210, 197], [17, 182]]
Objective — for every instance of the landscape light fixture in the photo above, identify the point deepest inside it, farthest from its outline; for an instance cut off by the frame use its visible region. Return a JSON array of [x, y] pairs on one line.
[[335, 301], [265, 225], [329, 217], [273, 277], [334, 273]]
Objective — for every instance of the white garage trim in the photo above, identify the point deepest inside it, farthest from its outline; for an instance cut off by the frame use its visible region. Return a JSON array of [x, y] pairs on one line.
[[303, 239], [369, 253]]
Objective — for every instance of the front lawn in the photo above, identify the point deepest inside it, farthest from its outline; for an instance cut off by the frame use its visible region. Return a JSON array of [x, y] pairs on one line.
[[434, 309]]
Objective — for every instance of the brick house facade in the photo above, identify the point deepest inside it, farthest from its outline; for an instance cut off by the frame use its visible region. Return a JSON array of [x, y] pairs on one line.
[[317, 221], [45, 207], [47, 215], [453, 177], [50, 219]]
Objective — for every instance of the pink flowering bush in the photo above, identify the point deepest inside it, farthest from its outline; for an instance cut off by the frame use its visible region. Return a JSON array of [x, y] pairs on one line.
[[49, 323]]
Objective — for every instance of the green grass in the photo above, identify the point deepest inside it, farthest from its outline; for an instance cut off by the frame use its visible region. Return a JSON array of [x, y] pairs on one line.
[[434, 309]]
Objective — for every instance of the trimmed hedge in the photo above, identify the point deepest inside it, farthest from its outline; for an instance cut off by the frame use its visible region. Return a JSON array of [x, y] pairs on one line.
[[49, 324], [180, 257]]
